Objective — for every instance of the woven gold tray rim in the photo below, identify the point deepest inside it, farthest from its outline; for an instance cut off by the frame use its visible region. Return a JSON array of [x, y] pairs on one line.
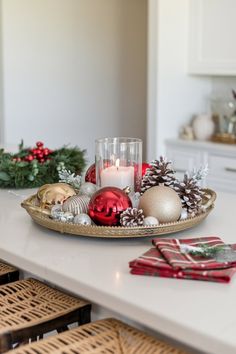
[[42, 218]]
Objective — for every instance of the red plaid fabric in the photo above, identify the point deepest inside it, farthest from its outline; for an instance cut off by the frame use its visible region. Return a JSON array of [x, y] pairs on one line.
[[154, 262], [170, 249]]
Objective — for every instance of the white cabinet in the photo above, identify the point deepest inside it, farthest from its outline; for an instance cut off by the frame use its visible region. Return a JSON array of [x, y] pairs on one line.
[[220, 158], [212, 35]]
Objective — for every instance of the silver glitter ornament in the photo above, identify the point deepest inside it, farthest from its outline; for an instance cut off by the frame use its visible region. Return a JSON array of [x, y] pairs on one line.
[[56, 211], [150, 221], [82, 219], [77, 204], [88, 189], [67, 217]]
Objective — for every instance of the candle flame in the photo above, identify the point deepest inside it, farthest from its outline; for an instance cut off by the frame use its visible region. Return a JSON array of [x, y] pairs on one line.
[[117, 163]]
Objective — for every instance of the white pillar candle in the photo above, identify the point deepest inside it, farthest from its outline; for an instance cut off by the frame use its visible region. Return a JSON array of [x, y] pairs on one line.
[[118, 176]]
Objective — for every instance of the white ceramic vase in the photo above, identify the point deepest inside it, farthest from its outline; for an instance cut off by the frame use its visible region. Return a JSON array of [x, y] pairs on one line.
[[203, 127]]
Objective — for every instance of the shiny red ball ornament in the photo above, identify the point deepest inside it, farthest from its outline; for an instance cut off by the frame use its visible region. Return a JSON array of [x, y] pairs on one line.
[[90, 175], [145, 166], [106, 205]]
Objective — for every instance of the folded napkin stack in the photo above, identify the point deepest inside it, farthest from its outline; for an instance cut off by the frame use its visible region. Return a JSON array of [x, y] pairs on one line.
[[173, 258]]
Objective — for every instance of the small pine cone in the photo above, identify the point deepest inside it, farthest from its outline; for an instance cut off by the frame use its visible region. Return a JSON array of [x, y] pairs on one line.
[[160, 172], [190, 194], [132, 217]]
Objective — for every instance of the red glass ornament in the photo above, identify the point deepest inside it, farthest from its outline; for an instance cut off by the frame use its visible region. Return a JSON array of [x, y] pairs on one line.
[[90, 175], [145, 165], [106, 205]]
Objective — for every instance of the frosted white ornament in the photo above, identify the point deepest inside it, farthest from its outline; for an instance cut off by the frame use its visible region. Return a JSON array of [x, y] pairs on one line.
[[88, 189], [150, 221], [184, 214], [77, 204], [82, 219]]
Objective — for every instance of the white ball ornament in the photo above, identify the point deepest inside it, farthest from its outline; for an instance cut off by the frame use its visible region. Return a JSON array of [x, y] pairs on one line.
[[161, 202], [88, 189], [150, 221], [82, 219], [184, 214]]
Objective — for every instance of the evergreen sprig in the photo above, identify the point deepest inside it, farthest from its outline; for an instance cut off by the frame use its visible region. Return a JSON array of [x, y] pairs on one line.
[[17, 173]]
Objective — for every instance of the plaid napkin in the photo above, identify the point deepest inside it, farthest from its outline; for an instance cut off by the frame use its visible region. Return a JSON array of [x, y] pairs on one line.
[[171, 251], [166, 260]]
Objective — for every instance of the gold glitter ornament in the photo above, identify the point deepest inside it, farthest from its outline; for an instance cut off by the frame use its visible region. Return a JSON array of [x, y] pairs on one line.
[[55, 193], [161, 202]]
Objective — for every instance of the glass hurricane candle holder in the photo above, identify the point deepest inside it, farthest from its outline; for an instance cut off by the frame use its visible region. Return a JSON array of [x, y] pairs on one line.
[[119, 163]]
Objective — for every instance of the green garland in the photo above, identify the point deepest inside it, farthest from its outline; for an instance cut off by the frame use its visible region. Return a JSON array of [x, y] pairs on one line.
[[17, 172]]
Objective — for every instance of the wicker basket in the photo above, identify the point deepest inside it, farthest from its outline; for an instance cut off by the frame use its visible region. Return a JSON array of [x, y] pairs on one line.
[[107, 336], [42, 217]]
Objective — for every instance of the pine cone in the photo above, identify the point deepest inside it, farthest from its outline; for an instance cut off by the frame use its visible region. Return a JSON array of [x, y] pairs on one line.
[[132, 217], [160, 172], [190, 194]]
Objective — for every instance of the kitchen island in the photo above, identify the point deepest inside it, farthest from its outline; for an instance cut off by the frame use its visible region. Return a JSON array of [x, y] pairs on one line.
[[199, 314]]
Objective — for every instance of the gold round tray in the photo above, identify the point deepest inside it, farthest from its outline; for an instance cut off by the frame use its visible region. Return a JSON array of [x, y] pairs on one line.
[[42, 217]]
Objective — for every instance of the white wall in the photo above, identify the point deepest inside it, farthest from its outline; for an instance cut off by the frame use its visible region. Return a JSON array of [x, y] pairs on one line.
[[174, 96], [73, 70]]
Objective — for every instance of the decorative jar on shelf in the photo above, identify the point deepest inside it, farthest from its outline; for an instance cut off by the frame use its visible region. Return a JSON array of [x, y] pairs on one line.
[[203, 127]]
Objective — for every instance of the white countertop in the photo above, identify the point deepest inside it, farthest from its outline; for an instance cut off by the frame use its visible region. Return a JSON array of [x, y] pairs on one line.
[[200, 314]]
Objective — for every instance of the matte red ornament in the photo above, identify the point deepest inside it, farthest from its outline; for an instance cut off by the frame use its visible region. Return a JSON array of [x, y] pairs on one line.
[[90, 175], [145, 165], [106, 205]]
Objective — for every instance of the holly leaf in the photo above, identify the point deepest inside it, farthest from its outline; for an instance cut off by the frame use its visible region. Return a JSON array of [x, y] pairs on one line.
[[4, 177]]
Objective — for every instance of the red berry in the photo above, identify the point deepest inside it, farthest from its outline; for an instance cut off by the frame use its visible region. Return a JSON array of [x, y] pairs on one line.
[[39, 144], [46, 151], [30, 158], [42, 160], [40, 156], [18, 159]]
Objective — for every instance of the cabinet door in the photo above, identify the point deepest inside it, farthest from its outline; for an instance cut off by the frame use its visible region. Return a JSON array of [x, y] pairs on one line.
[[212, 34], [183, 160]]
